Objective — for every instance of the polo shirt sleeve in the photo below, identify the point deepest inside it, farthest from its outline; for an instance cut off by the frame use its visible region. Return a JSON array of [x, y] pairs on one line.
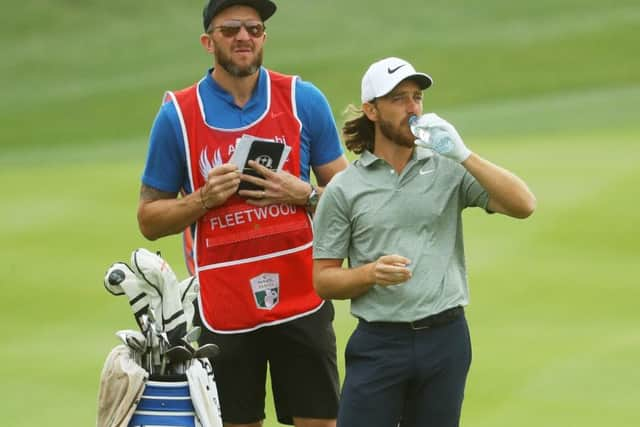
[[331, 224], [318, 125], [472, 193], [166, 161]]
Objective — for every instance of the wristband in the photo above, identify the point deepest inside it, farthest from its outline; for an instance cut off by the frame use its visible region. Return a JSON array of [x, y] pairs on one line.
[[204, 205]]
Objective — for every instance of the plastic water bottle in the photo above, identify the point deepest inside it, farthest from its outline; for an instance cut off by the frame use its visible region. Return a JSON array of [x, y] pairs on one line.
[[419, 132], [436, 139]]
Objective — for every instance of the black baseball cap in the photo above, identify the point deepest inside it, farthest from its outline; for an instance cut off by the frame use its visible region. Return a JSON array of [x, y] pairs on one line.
[[265, 8]]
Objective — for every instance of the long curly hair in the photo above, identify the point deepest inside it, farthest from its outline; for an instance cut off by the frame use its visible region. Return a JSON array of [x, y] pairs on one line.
[[358, 131]]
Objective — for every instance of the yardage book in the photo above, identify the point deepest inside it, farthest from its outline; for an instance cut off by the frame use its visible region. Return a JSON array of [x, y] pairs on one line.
[[266, 152]]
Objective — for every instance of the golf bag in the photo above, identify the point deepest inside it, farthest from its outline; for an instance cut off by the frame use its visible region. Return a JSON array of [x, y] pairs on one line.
[[165, 402], [188, 400], [158, 376]]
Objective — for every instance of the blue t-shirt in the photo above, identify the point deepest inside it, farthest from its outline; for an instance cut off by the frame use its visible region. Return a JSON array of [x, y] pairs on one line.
[[166, 166]]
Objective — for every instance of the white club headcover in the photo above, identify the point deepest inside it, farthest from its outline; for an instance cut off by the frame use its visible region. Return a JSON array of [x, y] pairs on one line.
[[189, 289], [121, 280], [160, 278]]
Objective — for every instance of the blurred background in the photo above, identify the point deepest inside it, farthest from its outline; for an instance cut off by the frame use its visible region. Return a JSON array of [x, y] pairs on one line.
[[548, 89]]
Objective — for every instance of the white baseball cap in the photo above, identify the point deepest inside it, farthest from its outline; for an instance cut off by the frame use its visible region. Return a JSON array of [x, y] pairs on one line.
[[382, 76]]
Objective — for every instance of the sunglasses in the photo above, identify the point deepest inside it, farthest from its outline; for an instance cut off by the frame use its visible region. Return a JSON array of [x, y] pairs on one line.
[[232, 27]]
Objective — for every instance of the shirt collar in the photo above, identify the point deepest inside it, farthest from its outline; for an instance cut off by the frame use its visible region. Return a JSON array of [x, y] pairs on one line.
[[260, 89], [367, 158], [421, 153]]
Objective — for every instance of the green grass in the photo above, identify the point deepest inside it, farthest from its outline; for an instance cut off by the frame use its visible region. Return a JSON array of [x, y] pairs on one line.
[[550, 90]]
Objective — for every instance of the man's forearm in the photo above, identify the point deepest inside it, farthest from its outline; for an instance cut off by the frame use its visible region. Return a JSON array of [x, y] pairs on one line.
[[335, 282], [508, 194], [164, 216]]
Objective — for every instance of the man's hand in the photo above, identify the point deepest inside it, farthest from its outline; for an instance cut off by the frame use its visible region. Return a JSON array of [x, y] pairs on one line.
[[279, 187], [444, 138], [390, 270], [222, 183]]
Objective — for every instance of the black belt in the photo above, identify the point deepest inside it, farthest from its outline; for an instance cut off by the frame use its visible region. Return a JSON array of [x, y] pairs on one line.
[[433, 321]]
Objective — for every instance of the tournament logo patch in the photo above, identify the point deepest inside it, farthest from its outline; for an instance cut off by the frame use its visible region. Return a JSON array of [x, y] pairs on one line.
[[266, 290]]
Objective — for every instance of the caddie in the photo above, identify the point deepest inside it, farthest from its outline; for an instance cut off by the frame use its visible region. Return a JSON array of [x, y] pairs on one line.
[[251, 248]]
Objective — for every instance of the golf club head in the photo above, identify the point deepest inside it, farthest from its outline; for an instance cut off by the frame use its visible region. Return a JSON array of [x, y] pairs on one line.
[[188, 345], [151, 313], [164, 339], [207, 351], [137, 343], [134, 340], [144, 323], [126, 333], [178, 354], [122, 336], [193, 335]]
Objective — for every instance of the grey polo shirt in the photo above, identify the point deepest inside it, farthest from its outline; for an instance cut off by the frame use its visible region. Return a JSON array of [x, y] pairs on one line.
[[368, 210]]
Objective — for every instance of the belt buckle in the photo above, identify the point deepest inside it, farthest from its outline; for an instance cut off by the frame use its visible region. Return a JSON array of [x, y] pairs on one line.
[[415, 327]]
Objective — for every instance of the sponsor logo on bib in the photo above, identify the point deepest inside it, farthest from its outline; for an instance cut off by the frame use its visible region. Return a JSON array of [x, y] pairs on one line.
[[266, 290]]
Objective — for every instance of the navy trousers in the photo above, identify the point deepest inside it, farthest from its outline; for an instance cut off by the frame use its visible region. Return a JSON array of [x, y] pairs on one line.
[[399, 376]]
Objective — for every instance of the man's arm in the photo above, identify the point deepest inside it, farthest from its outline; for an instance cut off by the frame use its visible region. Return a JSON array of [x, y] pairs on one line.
[[331, 281], [161, 214], [324, 173], [508, 194]]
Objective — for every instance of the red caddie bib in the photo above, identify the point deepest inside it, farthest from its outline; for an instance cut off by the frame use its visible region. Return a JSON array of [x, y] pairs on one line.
[[254, 263]]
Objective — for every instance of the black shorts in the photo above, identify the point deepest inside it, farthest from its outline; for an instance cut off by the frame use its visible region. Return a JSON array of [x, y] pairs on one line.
[[301, 355]]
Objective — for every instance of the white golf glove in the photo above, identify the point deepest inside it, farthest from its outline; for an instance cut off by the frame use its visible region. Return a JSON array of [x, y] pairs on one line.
[[437, 134]]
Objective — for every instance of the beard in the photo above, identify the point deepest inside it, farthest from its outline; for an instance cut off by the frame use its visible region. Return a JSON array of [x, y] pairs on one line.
[[399, 135], [234, 69]]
